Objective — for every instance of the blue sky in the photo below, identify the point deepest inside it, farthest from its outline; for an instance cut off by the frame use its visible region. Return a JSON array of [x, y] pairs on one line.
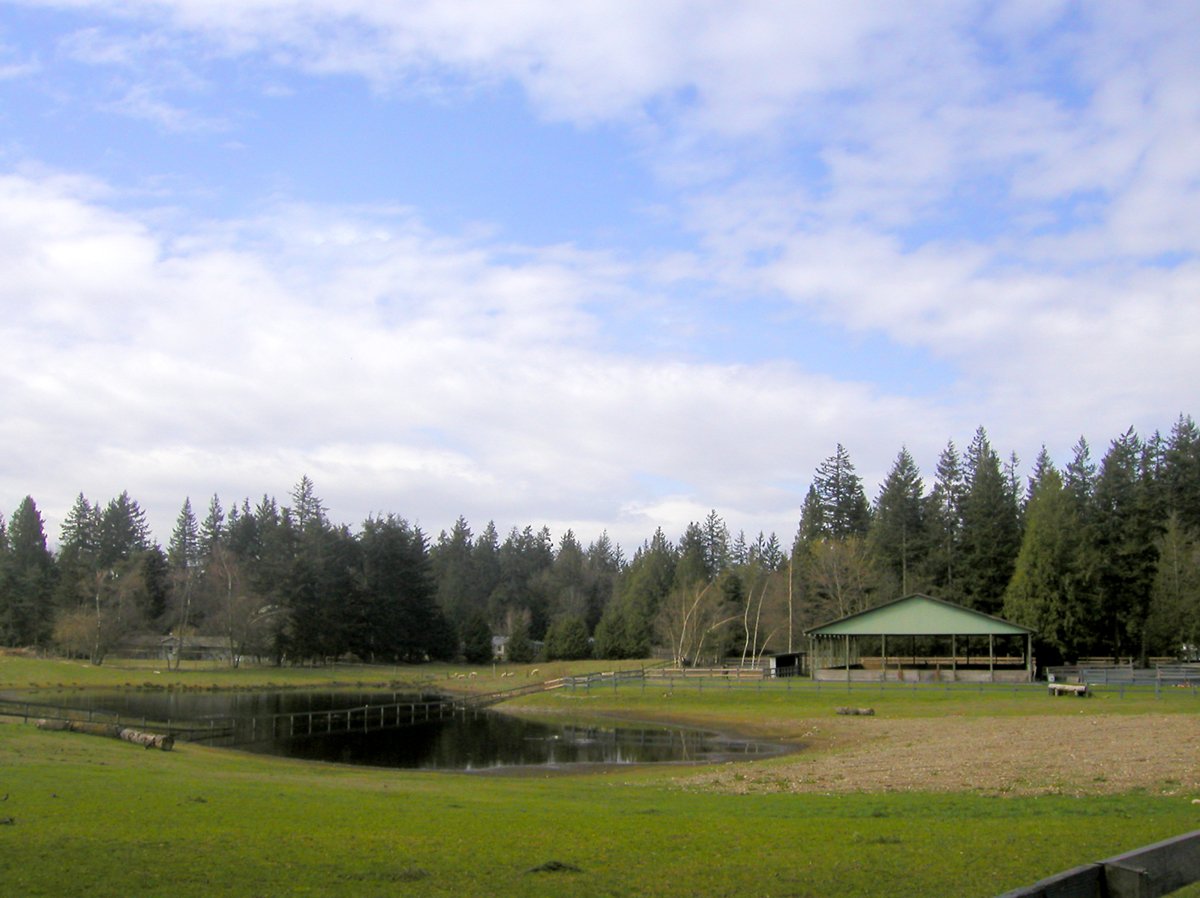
[[605, 266]]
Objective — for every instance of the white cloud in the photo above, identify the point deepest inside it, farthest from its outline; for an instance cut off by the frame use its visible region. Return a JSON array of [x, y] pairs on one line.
[[990, 187], [403, 371]]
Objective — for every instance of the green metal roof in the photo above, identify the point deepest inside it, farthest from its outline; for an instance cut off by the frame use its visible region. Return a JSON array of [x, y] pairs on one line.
[[919, 615]]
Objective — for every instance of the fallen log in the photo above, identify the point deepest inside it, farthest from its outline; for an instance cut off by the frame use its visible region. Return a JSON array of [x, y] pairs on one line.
[[149, 740], [111, 730], [857, 712]]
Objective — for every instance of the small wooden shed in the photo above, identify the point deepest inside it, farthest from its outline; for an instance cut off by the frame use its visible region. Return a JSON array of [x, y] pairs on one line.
[[918, 638]]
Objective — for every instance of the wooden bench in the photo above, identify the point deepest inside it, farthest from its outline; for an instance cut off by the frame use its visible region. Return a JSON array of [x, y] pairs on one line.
[[1079, 689]]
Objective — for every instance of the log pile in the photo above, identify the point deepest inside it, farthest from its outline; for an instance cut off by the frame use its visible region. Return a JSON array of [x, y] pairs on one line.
[[112, 731]]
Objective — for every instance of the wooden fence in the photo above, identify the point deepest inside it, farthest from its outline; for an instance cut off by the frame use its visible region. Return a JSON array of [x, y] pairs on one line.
[[1186, 675], [189, 730], [228, 729], [1157, 869]]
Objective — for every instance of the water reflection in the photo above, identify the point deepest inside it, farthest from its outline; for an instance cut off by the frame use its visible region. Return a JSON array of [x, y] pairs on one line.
[[475, 740], [488, 740]]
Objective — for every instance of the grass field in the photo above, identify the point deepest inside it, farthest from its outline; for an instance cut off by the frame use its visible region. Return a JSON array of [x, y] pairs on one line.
[[88, 816]]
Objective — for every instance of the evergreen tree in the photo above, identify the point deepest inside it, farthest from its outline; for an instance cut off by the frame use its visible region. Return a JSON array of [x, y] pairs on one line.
[[1125, 539], [897, 538], [102, 583], [26, 580], [1050, 590], [184, 550], [568, 579], [520, 648], [78, 554], [692, 566], [322, 582], [1152, 468], [1042, 466], [844, 509], [123, 531], [477, 639], [80, 537], [243, 535], [307, 510], [400, 619], [485, 559], [212, 531], [185, 559], [454, 572], [772, 556], [740, 550], [610, 636], [990, 537], [813, 524], [716, 544], [943, 524], [268, 571], [1173, 626], [156, 575], [567, 639], [1079, 480], [626, 628], [1012, 486], [1181, 473], [524, 558], [603, 564]]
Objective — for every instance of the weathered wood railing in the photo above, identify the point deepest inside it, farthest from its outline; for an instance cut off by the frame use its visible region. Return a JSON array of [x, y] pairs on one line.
[[1148, 872], [190, 730]]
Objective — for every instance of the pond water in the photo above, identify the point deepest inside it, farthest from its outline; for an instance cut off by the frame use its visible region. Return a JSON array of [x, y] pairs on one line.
[[477, 740]]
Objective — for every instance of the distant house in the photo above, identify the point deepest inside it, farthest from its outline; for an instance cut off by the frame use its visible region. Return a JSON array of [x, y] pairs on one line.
[[499, 648], [918, 638], [195, 648]]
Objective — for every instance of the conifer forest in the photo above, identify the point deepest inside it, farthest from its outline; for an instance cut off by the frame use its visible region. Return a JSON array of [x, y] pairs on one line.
[[1100, 558]]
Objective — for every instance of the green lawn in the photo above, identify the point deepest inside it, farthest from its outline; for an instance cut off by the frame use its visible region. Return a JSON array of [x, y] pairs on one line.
[[89, 816]]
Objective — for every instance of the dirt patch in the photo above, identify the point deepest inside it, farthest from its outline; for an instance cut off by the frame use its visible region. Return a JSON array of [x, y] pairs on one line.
[[1003, 755]]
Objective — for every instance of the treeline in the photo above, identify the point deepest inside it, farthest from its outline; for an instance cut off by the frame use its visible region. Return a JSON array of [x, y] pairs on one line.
[[1100, 558]]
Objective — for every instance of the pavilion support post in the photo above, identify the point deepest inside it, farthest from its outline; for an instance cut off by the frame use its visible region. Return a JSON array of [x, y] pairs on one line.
[[1029, 657], [847, 644], [953, 658], [883, 652], [992, 657]]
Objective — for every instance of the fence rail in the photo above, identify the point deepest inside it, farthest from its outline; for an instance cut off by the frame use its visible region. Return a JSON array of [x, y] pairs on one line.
[[711, 673], [194, 730], [1127, 674], [1148, 872], [230, 729]]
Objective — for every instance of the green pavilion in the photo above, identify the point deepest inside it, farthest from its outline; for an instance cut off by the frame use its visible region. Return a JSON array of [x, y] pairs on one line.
[[918, 638]]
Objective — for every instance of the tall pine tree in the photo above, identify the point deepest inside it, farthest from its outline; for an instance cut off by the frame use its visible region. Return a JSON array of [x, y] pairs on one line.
[[26, 580], [898, 538], [1050, 590], [1125, 535], [990, 537]]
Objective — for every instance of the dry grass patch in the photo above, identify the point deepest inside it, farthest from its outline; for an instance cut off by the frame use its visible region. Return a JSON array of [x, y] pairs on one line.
[[1072, 755]]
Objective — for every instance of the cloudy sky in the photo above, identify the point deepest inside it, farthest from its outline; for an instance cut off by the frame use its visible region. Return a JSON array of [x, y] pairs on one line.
[[601, 265]]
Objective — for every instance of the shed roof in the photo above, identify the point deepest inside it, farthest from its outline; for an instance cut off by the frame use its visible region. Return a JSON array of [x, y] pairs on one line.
[[919, 615]]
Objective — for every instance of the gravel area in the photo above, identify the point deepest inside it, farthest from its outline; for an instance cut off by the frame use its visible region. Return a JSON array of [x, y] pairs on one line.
[[1083, 755]]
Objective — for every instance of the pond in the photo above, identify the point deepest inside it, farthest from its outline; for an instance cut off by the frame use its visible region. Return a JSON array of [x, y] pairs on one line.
[[473, 740]]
